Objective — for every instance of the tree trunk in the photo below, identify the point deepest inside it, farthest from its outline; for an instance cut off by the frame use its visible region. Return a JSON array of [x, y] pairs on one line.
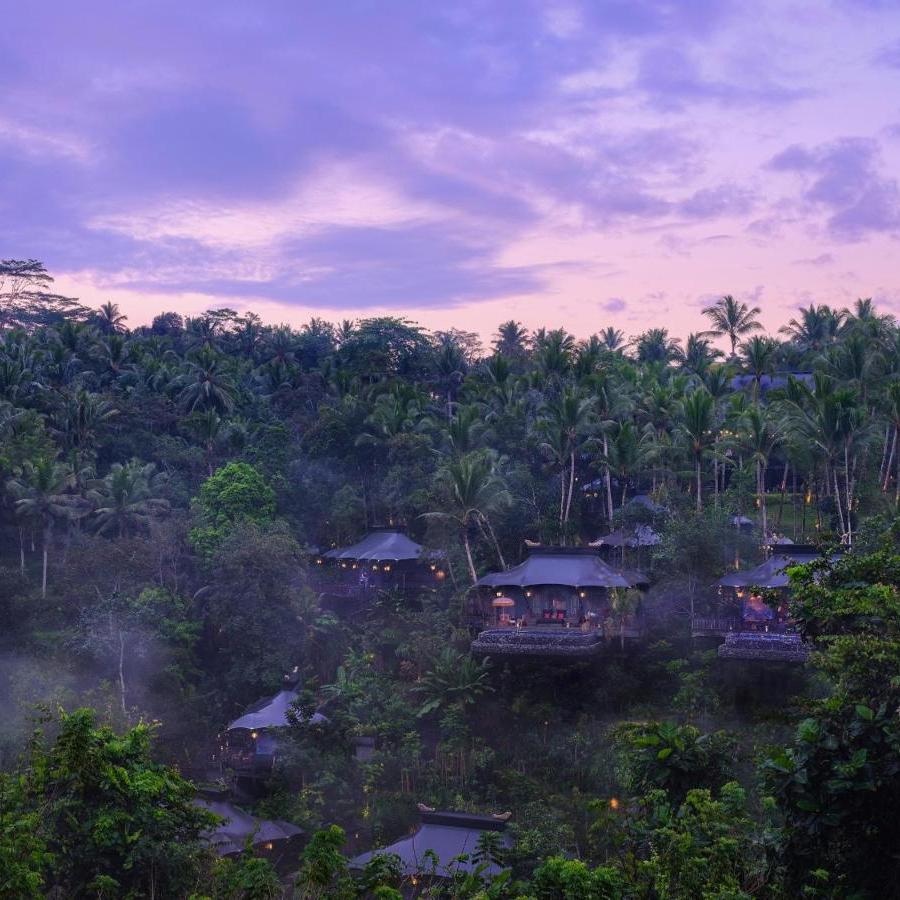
[[837, 500], [761, 493], [494, 540], [122, 673], [571, 485], [44, 572], [848, 485], [890, 461], [699, 487], [469, 559], [562, 503], [608, 479]]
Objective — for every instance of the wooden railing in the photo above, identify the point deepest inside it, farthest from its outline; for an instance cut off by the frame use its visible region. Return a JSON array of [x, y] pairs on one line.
[[713, 626]]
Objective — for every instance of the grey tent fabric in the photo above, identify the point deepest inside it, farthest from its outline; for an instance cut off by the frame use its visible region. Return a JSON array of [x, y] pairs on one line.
[[634, 578], [771, 573], [231, 835], [575, 567], [647, 502], [448, 835], [641, 536], [742, 522], [381, 545], [271, 713], [772, 382]]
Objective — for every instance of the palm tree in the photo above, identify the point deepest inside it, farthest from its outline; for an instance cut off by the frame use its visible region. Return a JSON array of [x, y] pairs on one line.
[[760, 434], [511, 339], [698, 356], [563, 426], [454, 679], [206, 385], [817, 327], [627, 451], [41, 494], [759, 358], [612, 339], [80, 418], [471, 490], [450, 365], [126, 499], [696, 427], [732, 318], [109, 320], [655, 346]]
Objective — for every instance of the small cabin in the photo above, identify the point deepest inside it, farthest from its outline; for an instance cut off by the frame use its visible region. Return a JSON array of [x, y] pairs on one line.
[[386, 559], [275, 840], [448, 836], [561, 601], [250, 746], [755, 627]]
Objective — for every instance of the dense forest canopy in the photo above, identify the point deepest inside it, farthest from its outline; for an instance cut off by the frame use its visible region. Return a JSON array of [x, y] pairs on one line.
[[166, 488]]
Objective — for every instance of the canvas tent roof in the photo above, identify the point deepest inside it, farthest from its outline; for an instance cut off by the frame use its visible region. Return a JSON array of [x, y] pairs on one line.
[[634, 578], [641, 536], [575, 567], [448, 835], [771, 573], [231, 835], [271, 713], [381, 544]]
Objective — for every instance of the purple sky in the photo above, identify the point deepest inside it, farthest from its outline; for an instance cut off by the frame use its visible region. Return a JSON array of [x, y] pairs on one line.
[[612, 162]]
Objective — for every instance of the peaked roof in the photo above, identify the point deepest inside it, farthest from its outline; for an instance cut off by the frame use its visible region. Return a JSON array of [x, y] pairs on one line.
[[380, 544], [231, 835], [578, 567], [271, 713], [447, 835], [771, 573], [640, 536]]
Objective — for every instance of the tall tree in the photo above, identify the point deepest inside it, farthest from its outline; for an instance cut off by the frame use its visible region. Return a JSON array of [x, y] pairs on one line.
[[732, 318]]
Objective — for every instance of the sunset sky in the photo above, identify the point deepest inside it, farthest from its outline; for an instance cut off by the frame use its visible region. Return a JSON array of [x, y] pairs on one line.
[[613, 162]]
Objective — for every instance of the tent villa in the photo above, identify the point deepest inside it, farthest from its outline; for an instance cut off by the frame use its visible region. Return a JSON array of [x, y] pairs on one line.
[[385, 559], [557, 602], [250, 746], [756, 624], [445, 836]]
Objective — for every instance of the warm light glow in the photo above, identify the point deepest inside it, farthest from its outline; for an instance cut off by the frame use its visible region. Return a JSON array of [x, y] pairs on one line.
[[387, 568], [614, 803], [268, 845], [254, 735]]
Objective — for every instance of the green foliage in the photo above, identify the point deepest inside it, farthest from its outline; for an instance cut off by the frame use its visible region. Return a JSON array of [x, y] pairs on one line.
[[840, 778], [323, 870], [236, 493], [245, 878], [559, 878], [673, 757], [109, 817], [454, 679]]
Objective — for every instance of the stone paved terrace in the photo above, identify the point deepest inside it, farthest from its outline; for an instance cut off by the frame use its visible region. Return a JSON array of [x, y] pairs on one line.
[[536, 640], [764, 646]]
